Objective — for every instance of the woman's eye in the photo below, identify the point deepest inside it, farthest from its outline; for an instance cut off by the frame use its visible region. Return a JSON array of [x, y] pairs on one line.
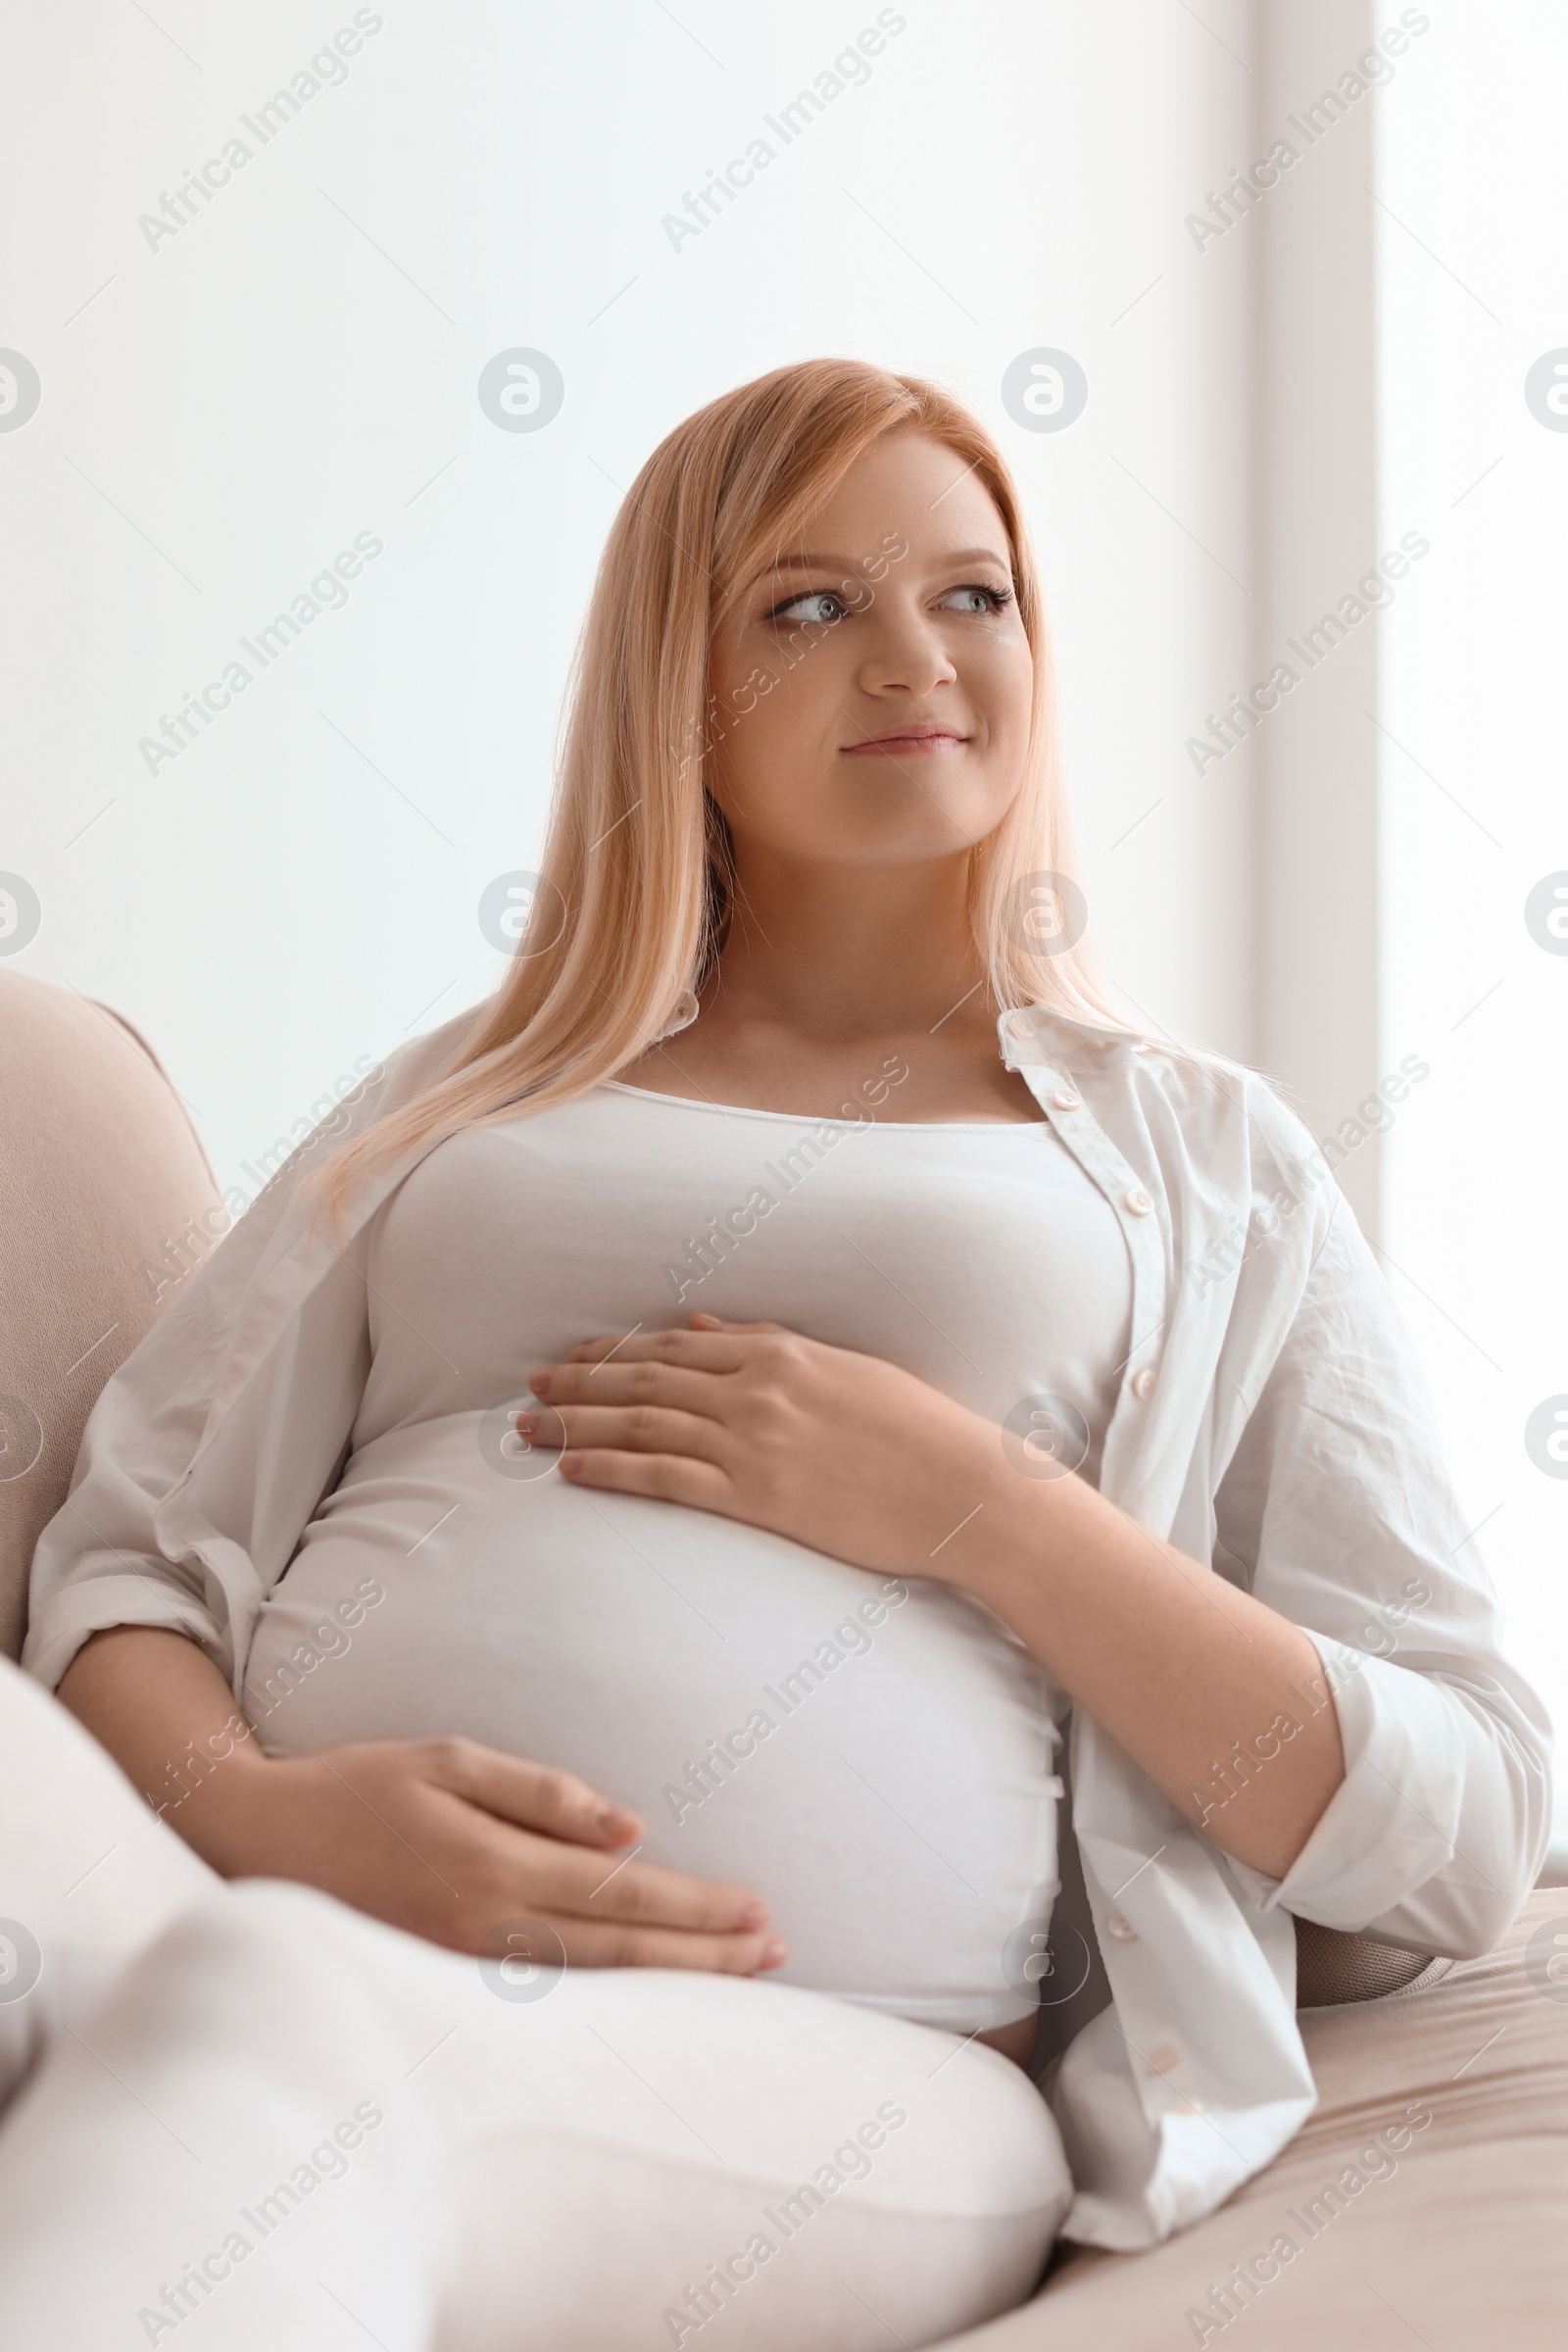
[[820, 605], [974, 598]]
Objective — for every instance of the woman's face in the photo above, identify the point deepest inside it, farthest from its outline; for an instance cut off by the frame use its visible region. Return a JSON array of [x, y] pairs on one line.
[[873, 687]]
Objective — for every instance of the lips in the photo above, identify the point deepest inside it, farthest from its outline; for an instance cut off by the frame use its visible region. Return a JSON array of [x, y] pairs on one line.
[[916, 738]]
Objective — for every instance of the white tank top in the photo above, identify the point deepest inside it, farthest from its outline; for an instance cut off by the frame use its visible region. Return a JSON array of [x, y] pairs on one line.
[[872, 1755]]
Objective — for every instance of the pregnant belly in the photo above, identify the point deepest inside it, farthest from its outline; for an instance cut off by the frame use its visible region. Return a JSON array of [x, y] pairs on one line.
[[872, 1755]]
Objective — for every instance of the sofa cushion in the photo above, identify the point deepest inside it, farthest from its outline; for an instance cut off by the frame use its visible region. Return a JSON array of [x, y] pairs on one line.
[[107, 1202], [88, 1875], [1424, 2202]]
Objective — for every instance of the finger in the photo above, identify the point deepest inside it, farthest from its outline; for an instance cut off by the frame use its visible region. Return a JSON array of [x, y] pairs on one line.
[[591, 1945], [534, 1796], [648, 1382], [632, 1893], [664, 1477], [702, 1320], [703, 1350], [637, 1428]]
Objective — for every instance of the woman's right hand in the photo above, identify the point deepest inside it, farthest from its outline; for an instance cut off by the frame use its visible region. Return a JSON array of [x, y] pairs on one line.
[[442, 1838], [451, 1841]]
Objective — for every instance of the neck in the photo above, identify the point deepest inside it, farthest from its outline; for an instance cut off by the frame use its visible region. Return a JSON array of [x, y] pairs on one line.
[[843, 951]]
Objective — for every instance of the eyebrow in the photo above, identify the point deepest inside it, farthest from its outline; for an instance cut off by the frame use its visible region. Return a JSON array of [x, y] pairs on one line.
[[809, 563]]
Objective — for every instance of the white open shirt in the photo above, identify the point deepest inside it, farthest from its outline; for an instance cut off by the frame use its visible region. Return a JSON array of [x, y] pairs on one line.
[[1271, 1420]]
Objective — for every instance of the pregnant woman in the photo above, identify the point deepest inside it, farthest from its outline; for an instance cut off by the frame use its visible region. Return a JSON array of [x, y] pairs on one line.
[[695, 1462]]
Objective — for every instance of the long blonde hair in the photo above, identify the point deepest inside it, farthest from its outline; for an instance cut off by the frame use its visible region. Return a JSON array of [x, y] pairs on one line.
[[635, 878]]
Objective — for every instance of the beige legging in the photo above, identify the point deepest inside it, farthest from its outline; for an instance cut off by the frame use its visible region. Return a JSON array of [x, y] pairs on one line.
[[258, 2118]]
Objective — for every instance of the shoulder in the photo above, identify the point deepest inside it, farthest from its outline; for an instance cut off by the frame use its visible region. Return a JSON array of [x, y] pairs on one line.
[[409, 1069], [271, 1225], [1217, 1112], [380, 1088]]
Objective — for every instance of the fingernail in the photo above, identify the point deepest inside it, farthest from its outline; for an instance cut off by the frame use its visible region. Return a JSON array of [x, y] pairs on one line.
[[754, 1913], [612, 1818], [539, 1383], [527, 1425], [571, 1464], [774, 1952]]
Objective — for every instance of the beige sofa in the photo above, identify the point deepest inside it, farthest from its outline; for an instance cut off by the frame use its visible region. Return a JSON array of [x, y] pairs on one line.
[[1425, 2201]]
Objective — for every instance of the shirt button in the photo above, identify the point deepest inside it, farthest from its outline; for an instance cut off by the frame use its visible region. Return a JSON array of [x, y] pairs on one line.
[[1121, 1927], [1142, 1382], [1164, 2056], [1138, 1200], [1065, 1100]]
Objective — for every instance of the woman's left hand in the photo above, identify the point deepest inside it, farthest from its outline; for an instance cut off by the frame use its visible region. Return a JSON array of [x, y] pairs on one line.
[[866, 1464], [841, 1451]]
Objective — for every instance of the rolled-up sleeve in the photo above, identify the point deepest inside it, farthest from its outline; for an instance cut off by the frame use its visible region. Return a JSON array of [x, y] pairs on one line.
[[98, 1562], [1339, 1511], [183, 1512]]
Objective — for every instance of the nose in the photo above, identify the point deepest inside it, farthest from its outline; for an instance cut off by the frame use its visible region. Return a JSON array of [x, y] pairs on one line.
[[903, 652]]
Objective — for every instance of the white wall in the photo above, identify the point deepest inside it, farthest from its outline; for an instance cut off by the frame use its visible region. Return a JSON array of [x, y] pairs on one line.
[[1474, 809], [225, 412], [1312, 761], [298, 365]]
